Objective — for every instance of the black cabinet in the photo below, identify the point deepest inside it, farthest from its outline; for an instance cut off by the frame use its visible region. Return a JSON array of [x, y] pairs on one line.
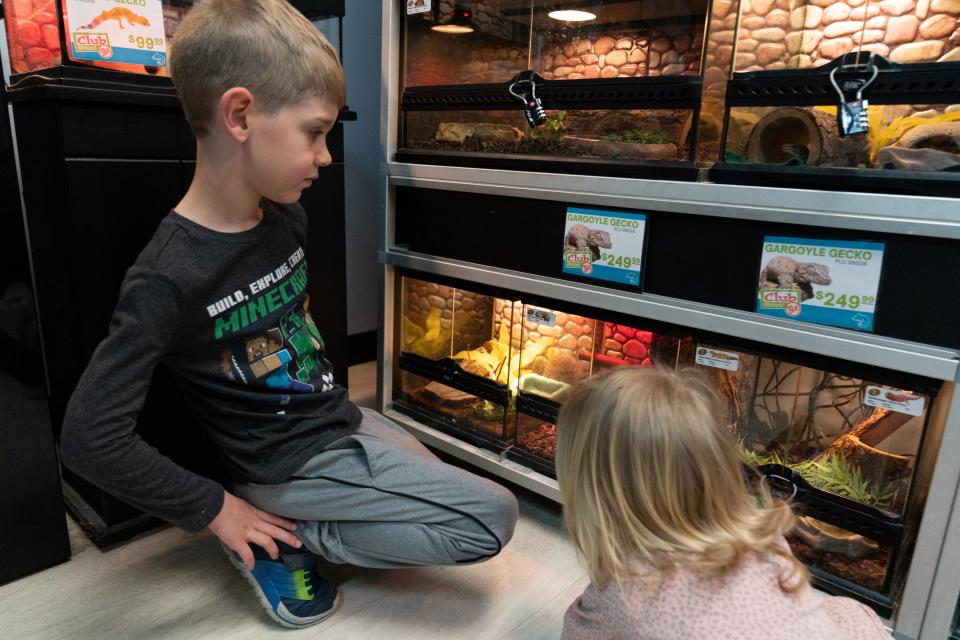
[[33, 530], [100, 169]]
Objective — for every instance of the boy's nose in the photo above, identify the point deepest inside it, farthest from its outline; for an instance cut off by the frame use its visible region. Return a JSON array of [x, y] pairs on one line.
[[323, 158]]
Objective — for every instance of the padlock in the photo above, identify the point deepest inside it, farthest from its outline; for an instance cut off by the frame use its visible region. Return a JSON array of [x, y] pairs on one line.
[[852, 115], [524, 88]]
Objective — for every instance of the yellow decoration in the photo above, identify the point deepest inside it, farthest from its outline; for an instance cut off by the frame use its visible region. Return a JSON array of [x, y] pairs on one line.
[[430, 343], [890, 134], [492, 355]]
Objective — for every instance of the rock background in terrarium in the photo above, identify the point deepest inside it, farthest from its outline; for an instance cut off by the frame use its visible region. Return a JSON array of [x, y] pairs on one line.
[[426, 319], [781, 34], [442, 322], [497, 50], [621, 54], [623, 345]]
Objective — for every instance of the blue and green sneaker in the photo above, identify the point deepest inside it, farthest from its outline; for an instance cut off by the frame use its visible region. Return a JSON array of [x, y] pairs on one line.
[[289, 588]]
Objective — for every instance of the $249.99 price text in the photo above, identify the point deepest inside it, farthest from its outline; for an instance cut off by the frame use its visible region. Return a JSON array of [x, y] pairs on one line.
[[845, 301]]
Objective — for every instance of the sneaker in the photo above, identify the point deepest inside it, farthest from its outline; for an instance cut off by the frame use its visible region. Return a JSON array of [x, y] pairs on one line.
[[295, 598]]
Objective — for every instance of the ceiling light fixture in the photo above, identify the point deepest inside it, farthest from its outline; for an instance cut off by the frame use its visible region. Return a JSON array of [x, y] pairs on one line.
[[572, 15], [458, 23]]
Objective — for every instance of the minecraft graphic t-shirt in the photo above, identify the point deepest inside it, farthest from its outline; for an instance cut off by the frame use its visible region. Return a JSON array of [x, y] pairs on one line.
[[229, 314]]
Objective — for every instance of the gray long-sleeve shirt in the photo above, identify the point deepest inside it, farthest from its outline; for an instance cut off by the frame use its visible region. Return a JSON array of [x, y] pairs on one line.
[[228, 314]]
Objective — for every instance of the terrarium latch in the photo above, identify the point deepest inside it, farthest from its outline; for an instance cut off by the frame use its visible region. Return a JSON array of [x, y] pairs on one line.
[[524, 88], [852, 114]]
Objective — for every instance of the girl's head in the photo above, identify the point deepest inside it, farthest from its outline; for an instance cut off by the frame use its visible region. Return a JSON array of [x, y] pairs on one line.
[[650, 479]]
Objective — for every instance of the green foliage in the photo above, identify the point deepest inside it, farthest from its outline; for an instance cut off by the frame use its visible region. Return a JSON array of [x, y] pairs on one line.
[[832, 474], [733, 157], [638, 136], [553, 129], [757, 460]]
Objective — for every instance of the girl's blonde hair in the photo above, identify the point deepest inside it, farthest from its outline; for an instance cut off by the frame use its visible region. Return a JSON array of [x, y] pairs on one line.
[[650, 480], [266, 46]]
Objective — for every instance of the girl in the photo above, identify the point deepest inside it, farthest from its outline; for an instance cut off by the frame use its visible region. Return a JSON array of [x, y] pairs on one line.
[[676, 544]]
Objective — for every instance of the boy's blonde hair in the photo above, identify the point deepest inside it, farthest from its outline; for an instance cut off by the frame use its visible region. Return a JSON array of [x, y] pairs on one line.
[[650, 479], [265, 46]]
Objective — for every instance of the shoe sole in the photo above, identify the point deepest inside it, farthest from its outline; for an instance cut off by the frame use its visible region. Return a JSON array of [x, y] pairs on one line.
[[248, 575]]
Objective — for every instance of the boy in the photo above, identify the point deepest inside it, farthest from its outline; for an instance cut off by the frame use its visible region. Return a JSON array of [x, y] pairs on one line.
[[218, 296]]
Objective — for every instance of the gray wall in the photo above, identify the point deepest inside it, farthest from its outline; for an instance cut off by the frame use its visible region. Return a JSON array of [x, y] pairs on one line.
[[361, 61]]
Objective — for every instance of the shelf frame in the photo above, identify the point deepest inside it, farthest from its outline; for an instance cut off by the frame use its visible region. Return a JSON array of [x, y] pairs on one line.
[[930, 592]]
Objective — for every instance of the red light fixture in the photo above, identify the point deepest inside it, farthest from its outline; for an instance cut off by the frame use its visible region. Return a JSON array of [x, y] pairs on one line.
[[459, 23]]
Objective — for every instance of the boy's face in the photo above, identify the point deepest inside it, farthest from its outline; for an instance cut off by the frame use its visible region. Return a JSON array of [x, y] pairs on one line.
[[287, 148]]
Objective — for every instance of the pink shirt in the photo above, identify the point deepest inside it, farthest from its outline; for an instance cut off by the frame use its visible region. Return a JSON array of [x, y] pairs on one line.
[[746, 604]]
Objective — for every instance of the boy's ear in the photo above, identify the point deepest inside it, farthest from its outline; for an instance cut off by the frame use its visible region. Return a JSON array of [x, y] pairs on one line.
[[235, 107]]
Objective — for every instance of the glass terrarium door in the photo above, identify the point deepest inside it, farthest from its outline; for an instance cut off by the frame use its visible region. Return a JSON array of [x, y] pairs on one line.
[[792, 126], [465, 42], [900, 137], [635, 39], [456, 359], [618, 345], [844, 447], [658, 135], [556, 353], [636, 99], [844, 85], [561, 349]]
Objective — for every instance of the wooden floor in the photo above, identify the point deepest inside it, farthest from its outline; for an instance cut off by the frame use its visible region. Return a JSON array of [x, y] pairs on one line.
[[171, 584]]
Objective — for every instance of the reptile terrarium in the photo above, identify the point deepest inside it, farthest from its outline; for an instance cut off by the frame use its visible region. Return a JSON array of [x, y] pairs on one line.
[[603, 87], [824, 117], [557, 353], [458, 361], [566, 348], [844, 448]]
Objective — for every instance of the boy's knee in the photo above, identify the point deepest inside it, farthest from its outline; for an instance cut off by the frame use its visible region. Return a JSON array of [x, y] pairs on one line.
[[503, 511], [496, 512]]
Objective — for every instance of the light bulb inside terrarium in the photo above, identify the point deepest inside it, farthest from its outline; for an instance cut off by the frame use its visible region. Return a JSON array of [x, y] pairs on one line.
[[451, 28], [572, 15]]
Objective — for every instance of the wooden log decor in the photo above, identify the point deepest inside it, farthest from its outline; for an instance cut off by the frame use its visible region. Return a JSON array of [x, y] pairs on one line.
[[804, 137], [858, 447]]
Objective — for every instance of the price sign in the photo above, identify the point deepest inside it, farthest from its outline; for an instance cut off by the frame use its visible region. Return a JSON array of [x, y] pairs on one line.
[[894, 400], [417, 6], [606, 245], [105, 31], [831, 282], [727, 360]]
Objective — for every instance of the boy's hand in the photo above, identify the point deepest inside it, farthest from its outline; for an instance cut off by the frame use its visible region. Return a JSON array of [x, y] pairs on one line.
[[240, 523]]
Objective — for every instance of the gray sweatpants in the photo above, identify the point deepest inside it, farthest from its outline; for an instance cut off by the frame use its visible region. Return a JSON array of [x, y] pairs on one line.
[[380, 499]]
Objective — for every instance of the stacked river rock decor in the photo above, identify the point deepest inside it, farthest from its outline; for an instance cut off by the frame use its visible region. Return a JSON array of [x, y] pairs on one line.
[[796, 34], [623, 55]]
